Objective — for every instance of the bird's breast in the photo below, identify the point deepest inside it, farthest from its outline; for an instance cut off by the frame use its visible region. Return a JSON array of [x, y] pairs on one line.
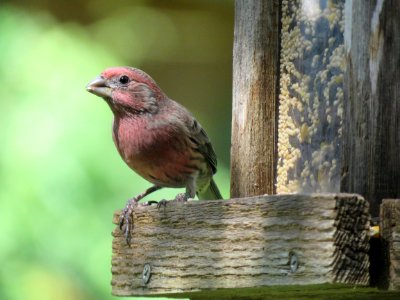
[[160, 155]]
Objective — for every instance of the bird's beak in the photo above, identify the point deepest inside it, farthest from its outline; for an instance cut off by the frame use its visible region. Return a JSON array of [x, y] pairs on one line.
[[99, 87]]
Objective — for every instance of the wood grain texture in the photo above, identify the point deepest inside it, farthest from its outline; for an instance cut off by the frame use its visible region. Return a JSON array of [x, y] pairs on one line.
[[371, 128], [390, 233], [244, 242], [254, 107]]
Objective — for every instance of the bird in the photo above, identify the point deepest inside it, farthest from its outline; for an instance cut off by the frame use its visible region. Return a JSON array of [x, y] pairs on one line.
[[157, 137]]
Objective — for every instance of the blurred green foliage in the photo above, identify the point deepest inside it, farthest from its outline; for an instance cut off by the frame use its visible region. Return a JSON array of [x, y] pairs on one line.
[[60, 176]]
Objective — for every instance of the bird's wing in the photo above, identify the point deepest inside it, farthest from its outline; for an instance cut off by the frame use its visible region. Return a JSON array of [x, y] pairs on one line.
[[182, 120], [199, 137]]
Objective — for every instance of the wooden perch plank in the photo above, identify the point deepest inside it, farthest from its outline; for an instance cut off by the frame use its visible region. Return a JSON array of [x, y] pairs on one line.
[[390, 233], [245, 242]]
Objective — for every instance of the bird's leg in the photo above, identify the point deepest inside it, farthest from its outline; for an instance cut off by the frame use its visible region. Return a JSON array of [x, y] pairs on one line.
[[126, 215]]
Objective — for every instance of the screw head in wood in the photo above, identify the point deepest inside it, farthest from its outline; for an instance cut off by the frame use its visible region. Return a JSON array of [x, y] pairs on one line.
[[293, 261], [146, 273]]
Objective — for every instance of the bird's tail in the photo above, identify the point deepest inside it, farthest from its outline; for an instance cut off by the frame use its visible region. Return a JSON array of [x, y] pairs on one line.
[[211, 193]]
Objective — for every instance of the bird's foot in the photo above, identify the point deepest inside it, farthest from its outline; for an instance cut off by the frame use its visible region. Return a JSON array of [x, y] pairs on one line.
[[180, 198], [126, 219], [162, 202]]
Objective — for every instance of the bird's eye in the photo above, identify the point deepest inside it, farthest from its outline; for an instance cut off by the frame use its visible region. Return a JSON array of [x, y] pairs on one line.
[[124, 79]]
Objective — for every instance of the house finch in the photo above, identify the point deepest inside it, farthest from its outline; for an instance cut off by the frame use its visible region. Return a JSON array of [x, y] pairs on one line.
[[157, 137]]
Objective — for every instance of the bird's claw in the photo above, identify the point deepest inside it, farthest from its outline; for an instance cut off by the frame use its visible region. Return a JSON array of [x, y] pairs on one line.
[[162, 202], [178, 198], [126, 219], [182, 197]]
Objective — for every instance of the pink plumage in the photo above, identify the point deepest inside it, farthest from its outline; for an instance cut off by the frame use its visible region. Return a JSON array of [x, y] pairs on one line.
[[157, 137]]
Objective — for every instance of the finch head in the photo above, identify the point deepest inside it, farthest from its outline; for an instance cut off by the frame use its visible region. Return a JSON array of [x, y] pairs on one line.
[[127, 90]]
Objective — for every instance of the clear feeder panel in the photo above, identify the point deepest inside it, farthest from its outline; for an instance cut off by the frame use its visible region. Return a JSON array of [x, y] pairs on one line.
[[312, 67]]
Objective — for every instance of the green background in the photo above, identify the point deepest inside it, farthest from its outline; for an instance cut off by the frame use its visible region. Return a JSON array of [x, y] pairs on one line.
[[61, 178]]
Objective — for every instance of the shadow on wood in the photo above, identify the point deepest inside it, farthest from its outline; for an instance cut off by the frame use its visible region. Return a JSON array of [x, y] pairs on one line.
[[246, 242]]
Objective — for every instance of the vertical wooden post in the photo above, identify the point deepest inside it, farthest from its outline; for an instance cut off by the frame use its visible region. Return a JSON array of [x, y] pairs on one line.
[[371, 126], [255, 80]]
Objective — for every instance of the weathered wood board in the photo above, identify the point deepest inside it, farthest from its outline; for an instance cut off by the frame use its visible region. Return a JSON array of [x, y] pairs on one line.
[[246, 242], [390, 233]]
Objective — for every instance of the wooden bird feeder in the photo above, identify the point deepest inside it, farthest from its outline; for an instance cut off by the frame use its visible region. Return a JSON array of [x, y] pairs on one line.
[[316, 125]]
